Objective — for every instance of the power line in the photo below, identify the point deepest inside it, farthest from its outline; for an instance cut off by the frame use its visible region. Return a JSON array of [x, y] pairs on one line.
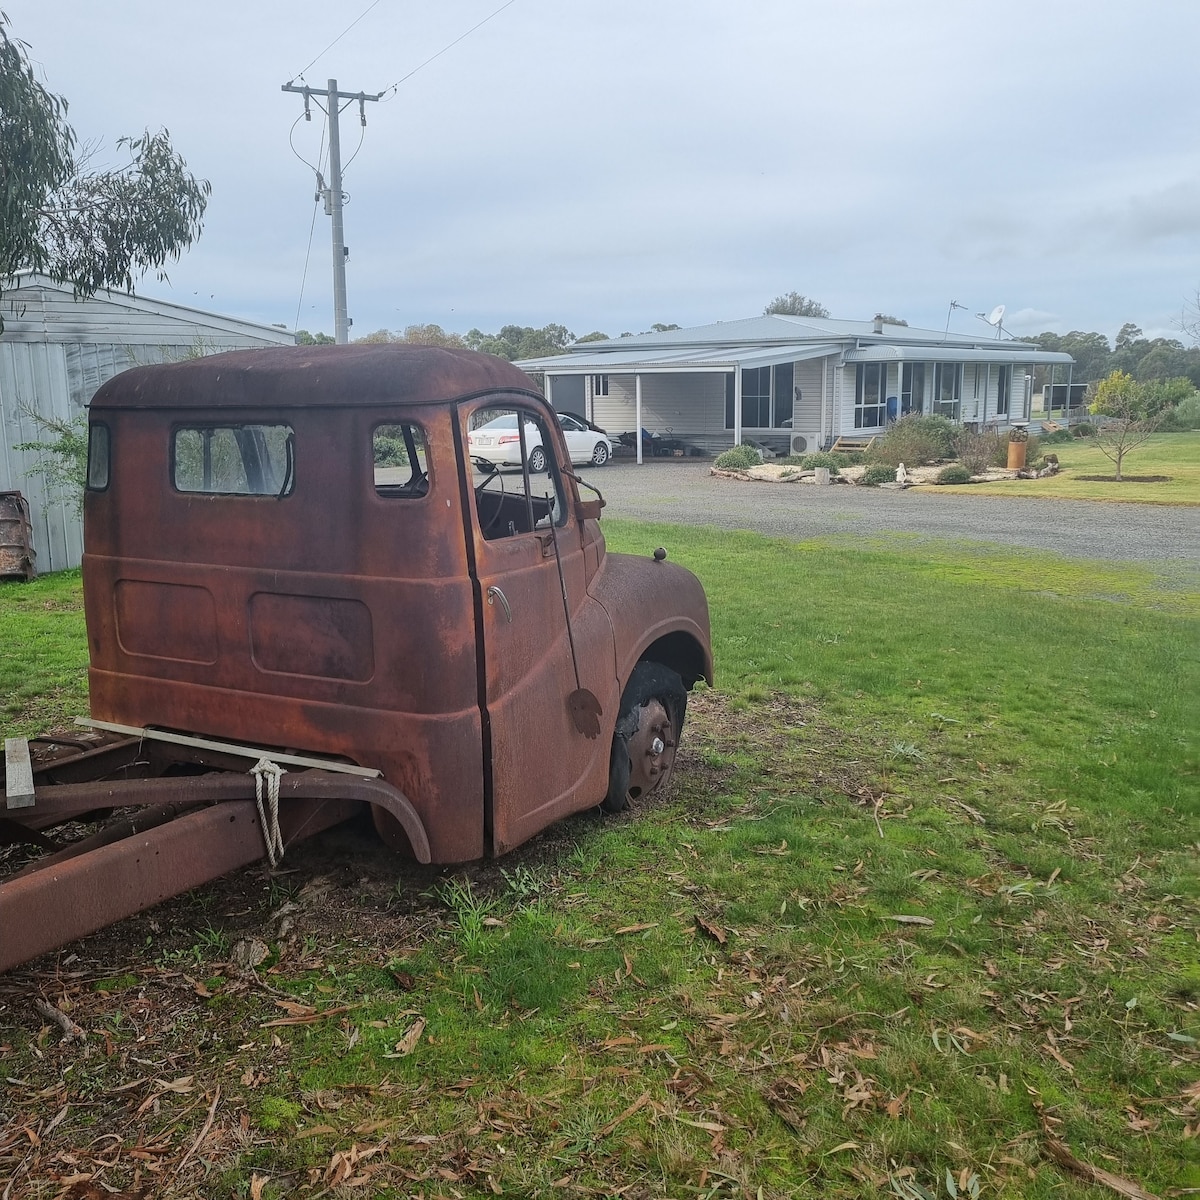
[[300, 74], [392, 88]]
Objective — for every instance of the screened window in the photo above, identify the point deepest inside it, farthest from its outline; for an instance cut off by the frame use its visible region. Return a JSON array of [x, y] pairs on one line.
[[599, 385], [756, 398], [912, 388], [781, 414], [870, 403], [947, 390], [98, 458], [1003, 390], [235, 460], [401, 461]]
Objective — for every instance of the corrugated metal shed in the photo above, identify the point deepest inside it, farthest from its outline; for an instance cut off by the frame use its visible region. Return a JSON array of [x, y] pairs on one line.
[[56, 351]]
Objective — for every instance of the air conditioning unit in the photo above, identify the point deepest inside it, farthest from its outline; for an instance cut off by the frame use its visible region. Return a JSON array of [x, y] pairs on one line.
[[806, 443]]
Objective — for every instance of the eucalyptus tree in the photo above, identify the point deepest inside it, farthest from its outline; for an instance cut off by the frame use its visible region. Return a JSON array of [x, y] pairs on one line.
[[91, 228]]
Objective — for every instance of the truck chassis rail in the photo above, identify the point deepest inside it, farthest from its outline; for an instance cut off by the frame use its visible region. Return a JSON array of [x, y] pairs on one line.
[[191, 829]]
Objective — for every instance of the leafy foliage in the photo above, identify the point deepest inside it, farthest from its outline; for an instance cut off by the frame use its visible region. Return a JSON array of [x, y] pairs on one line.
[[92, 229], [822, 459], [304, 338], [521, 341], [738, 458], [61, 454], [916, 441], [794, 304], [876, 474], [1130, 418], [979, 450], [1184, 416], [955, 473]]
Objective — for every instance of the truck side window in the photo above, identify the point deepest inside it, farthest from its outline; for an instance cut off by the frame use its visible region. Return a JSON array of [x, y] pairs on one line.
[[514, 472], [235, 460], [98, 457], [401, 462]]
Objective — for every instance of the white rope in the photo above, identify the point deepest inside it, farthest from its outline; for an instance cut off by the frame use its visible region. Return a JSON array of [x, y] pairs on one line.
[[267, 774]]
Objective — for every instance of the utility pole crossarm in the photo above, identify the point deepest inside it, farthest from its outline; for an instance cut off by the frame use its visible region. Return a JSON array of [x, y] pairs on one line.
[[341, 322]]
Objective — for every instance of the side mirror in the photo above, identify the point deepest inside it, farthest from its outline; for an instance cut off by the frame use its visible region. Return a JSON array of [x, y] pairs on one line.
[[588, 510]]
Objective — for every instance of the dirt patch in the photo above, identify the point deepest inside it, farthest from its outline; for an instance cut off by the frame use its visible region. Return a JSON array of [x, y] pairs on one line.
[[1125, 478]]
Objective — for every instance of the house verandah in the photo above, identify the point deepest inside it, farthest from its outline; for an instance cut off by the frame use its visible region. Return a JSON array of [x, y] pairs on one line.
[[794, 384]]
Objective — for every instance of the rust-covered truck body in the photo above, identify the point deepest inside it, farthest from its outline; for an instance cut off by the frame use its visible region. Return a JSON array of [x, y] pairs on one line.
[[292, 562]]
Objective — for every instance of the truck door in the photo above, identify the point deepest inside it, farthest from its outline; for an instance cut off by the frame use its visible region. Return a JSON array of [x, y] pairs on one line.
[[541, 766]]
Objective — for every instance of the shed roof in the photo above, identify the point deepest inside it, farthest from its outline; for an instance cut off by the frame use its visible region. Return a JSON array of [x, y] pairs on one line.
[[39, 309]]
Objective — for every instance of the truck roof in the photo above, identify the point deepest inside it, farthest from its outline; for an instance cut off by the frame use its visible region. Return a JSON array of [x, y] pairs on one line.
[[313, 377]]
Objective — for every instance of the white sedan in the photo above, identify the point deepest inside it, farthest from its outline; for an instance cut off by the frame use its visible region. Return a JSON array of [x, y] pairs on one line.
[[498, 444]]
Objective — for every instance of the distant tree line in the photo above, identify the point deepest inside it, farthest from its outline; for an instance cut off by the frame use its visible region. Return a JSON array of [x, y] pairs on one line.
[[1146, 360], [511, 342]]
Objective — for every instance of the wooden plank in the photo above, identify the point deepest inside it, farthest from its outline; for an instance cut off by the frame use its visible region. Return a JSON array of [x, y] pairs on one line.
[[18, 773], [180, 739]]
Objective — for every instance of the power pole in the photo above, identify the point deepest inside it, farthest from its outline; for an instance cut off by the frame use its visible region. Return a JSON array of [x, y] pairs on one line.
[[333, 193]]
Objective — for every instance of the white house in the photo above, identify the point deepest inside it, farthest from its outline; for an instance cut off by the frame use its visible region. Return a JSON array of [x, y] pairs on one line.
[[795, 384], [55, 352]]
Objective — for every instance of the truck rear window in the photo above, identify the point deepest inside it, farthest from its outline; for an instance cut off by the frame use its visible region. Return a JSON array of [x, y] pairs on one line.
[[401, 461], [235, 460]]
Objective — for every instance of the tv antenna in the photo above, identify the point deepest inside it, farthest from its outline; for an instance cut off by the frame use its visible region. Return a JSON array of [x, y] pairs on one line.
[[995, 318], [950, 312]]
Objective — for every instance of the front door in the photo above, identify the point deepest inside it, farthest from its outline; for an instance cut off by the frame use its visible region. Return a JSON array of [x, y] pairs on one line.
[[527, 551]]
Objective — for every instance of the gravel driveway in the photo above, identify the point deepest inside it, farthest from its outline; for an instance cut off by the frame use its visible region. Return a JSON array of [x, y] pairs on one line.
[[684, 492]]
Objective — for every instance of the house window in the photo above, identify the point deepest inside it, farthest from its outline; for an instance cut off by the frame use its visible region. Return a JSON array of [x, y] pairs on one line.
[[768, 397], [870, 404], [947, 390], [756, 398], [599, 385], [781, 416], [912, 388], [1003, 388]]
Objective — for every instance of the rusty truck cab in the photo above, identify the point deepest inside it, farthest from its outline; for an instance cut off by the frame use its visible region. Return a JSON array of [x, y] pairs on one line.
[[292, 549]]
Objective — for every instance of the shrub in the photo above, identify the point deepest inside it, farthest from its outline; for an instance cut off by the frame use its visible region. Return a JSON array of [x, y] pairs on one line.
[[915, 441], [738, 458], [1184, 416], [978, 451], [390, 451], [1081, 429], [954, 473], [1059, 436], [810, 461], [879, 473]]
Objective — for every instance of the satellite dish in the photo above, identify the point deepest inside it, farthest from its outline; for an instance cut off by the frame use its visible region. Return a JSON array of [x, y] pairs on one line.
[[996, 316]]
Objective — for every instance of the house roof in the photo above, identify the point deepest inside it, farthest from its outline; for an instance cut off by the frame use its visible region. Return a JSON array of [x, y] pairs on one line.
[[760, 341]]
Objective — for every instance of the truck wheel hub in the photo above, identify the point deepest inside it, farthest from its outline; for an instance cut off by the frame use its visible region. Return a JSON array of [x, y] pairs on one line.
[[651, 748]]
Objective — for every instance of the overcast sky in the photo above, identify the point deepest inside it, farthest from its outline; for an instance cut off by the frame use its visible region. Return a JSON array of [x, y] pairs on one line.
[[608, 164]]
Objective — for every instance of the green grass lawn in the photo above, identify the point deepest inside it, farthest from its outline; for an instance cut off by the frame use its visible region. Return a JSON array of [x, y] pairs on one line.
[[1176, 455], [918, 914]]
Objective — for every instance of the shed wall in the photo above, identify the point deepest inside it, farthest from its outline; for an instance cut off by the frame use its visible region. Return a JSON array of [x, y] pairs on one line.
[[55, 352]]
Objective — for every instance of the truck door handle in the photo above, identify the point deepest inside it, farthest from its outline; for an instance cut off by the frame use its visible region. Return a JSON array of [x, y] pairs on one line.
[[494, 593]]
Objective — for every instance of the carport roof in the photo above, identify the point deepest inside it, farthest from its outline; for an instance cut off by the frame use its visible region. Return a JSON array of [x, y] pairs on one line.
[[689, 359], [776, 338]]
